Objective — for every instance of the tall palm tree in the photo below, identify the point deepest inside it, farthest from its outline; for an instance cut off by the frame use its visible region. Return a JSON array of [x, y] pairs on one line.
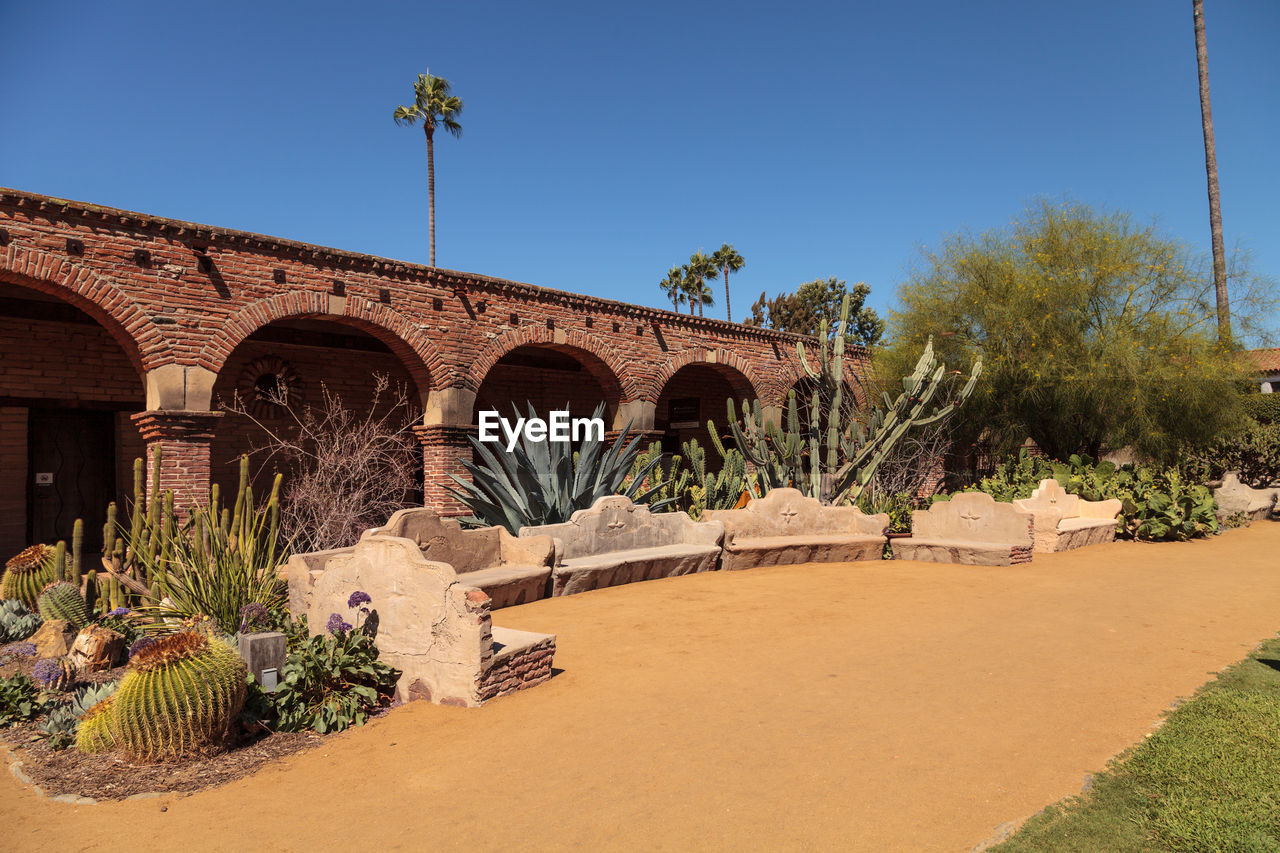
[[435, 105], [1211, 169], [727, 259], [697, 273], [673, 286]]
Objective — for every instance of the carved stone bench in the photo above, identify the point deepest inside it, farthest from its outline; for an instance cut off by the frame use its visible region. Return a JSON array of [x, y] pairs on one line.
[[971, 528], [431, 625], [617, 542], [785, 528], [1235, 497], [511, 570], [1065, 521]]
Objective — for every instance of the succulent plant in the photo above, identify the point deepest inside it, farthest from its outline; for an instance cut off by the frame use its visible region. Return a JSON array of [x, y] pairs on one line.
[[179, 696], [28, 573], [17, 622], [62, 600], [91, 694], [55, 674], [95, 733]]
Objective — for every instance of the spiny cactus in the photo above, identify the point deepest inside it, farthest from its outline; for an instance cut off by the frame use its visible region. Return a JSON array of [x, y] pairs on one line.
[[55, 673], [724, 489], [62, 600], [28, 573], [17, 622], [95, 732], [179, 696], [666, 494], [835, 454]]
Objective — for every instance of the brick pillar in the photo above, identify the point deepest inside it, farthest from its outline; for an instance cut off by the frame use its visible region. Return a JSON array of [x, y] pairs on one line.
[[444, 448], [183, 439]]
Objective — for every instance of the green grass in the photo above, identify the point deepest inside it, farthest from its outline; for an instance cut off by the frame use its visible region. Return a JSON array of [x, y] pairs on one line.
[[1208, 779]]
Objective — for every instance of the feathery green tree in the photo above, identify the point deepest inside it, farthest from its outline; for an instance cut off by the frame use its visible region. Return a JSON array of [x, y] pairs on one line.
[[816, 302], [435, 105]]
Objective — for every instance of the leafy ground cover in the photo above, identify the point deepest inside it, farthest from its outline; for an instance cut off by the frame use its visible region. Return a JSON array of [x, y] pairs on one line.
[[1208, 779]]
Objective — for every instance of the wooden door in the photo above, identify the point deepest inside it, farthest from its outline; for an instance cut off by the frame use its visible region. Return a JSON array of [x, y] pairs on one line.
[[71, 474]]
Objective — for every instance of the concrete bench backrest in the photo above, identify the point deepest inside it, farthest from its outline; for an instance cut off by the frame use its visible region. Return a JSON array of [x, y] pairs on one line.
[[973, 517], [788, 512], [1049, 495], [616, 524], [444, 540]]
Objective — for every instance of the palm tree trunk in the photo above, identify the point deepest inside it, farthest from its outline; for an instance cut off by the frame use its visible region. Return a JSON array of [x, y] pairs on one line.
[[1211, 170], [431, 193], [728, 309]]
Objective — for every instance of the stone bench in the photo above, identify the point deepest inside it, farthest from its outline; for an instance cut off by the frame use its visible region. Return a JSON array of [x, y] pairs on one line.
[[971, 528], [431, 625], [785, 528], [511, 570], [1065, 521], [1234, 497], [617, 542]]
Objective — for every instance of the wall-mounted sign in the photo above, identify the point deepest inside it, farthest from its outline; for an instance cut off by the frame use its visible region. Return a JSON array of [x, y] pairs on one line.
[[44, 478], [685, 413]]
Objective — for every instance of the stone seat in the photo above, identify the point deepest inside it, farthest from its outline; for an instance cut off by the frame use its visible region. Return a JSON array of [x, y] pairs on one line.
[[1234, 498], [1065, 521], [617, 542], [971, 529], [787, 528]]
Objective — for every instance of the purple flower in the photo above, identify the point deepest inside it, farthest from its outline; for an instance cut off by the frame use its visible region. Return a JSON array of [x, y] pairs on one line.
[[140, 644], [336, 624], [120, 611], [21, 650], [252, 614], [47, 672], [357, 598]]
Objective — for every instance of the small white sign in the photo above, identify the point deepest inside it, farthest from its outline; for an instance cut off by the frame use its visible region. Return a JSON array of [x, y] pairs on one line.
[[44, 478]]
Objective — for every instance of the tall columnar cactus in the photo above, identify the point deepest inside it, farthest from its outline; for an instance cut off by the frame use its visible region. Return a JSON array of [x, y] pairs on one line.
[[28, 573], [722, 489], [77, 547], [668, 493], [62, 600], [178, 697], [834, 455]]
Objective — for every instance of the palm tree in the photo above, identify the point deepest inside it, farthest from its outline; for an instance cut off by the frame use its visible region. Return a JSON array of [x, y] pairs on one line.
[[727, 259], [673, 286], [697, 273], [1211, 168], [435, 105]]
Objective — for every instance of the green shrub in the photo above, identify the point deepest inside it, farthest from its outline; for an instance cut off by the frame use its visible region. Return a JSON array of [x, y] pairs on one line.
[[19, 700], [1263, 408], [1253, 453], [1156, 503]]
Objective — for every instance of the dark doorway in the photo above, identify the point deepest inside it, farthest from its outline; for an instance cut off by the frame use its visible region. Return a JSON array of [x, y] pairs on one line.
[[71, 473]]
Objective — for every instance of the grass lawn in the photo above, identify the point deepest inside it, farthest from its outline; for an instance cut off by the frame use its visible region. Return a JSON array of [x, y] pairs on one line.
[[1208, 779]]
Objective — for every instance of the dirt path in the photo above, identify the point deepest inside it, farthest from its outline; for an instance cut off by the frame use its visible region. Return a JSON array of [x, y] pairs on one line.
[[870, 706]]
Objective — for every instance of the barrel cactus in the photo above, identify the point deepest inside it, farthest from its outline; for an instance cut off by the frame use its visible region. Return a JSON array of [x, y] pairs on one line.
[[28, 573], [179, 696], [96, 728], [62, 600]]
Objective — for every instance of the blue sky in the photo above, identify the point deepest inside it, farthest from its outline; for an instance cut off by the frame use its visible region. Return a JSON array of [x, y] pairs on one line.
[[603, 143]]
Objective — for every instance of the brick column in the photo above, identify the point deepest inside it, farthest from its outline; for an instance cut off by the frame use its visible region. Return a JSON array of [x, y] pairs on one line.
[[183, 439], [444, 448]]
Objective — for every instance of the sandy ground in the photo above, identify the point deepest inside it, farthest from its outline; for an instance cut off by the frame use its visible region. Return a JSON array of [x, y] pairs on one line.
[[866, 706]]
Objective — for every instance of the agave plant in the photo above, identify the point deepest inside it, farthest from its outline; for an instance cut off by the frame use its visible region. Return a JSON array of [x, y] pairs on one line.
[[545, 482]]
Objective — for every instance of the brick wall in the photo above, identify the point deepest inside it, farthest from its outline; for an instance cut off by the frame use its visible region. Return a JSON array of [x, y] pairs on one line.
[[13, 480]]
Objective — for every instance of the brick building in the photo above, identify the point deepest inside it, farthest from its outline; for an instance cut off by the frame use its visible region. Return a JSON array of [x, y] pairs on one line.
[[121, 331]]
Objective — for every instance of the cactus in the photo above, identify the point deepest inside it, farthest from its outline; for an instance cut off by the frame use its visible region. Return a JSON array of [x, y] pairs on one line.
[[834, 455], [179, 696], [17, 622], [62, 600], [726, 488], [95, 731], [665, 494], [28, 573], [77, 546], [55, 673]]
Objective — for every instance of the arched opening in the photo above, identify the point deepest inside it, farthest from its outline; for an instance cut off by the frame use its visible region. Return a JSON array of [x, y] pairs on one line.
[[695, 394], [292, 365], [67, 445], [552, 377]]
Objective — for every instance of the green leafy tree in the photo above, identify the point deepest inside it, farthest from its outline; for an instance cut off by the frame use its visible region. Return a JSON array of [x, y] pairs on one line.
[[435, 105], [1096, 334], [673, 287], [816, 302], [727, 259], [700, 270]]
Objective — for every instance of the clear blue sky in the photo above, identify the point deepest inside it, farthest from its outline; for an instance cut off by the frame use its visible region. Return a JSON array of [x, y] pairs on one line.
[[603, 143]]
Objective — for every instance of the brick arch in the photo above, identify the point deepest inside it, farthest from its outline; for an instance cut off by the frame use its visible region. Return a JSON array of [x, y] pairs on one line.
[[415, 351], [703, 355], [618, 370], [126, 321]]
